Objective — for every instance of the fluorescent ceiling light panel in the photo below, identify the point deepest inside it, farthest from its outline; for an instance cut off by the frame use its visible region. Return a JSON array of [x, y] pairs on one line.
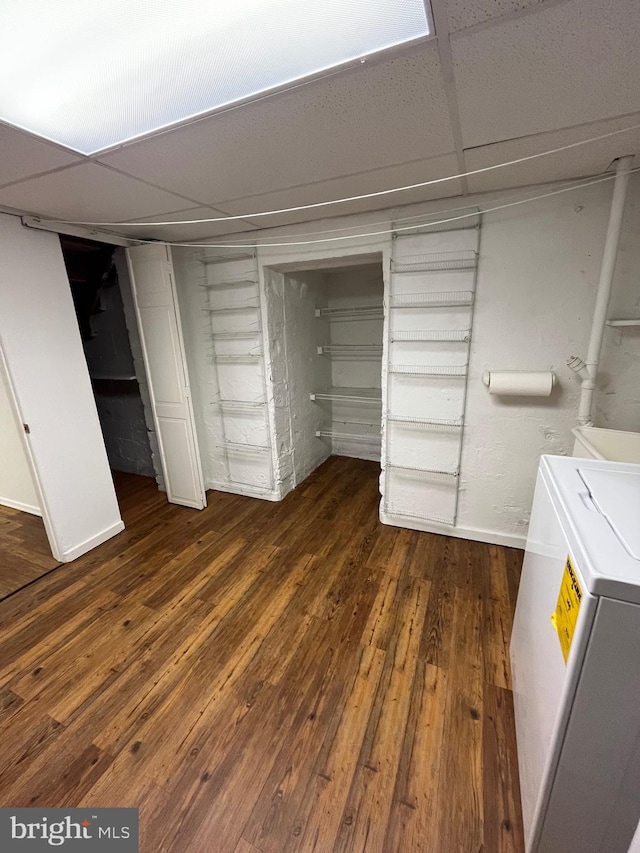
[[91, 74]]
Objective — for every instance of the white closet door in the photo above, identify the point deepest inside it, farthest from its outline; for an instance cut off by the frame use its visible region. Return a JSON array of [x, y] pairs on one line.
[[153, 284]]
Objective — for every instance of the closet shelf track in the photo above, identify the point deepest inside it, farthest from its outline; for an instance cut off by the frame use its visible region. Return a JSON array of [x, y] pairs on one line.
[[453, 335], [349, 395], [434, 370], [433, 299], [426, 473], [353, 312], [249, 305], [230, 284], [226, 258], [443, 424], [437, 262], [367, 433], [351, 350]]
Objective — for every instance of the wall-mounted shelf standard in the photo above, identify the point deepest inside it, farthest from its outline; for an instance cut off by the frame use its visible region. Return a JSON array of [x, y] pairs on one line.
[[439, 314], [351, 350], [349, 395], [367, 433], [425, 473], [622, 323], [459, 370], [236, 344], [433, 299], [443, 424], [454, 335], [355, 312], [437, 262]]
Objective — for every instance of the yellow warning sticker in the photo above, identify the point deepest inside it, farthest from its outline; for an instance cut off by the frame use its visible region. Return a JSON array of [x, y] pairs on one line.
[[565, 617]]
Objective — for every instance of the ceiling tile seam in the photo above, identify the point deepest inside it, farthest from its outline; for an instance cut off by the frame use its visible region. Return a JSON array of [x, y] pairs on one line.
[[192, 201], [542, 133], [134, 219], [354, 66], [344, 176], [40, 175], [505, 18], [441, 25]]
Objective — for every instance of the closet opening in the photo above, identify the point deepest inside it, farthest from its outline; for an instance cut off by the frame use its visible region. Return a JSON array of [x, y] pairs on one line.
[[333, 332], [103, 300]]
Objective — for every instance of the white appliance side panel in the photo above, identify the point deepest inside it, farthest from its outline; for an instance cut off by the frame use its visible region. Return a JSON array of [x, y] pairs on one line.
[[595, 799], [543, 684]]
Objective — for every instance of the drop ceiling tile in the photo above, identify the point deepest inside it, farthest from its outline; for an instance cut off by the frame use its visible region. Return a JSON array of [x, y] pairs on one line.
[[590, 159], [468, 13], [22, 155], [568, 64], [383, 112], [184, 233], [89, 192], [394, 176]]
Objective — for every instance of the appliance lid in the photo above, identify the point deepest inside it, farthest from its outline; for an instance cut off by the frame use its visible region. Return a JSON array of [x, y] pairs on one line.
[[616, 495]]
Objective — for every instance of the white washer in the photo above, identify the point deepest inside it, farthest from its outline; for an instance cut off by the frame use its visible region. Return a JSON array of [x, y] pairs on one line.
[[578, 720]]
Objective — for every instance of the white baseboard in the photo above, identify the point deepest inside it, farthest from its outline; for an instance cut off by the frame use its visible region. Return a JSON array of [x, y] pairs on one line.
[[33, 510], [509, 540], [93, 542], [245, 491]]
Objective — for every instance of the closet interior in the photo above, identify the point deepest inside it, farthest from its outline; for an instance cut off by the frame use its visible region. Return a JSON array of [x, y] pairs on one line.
[[332, 328]]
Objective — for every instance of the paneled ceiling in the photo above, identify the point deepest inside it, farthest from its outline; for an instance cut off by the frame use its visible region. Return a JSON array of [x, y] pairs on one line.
[[501, 79]]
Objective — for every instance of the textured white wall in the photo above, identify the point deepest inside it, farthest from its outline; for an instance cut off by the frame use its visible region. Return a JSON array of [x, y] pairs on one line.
[[16, 483], [304, 369], [537, 275]]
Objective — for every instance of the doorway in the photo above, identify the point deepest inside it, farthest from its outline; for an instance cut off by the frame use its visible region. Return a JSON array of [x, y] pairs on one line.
[[101, 291], [333, 331]]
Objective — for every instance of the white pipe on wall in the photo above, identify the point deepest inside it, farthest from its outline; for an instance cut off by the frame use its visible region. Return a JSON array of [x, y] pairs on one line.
[[623, 167]]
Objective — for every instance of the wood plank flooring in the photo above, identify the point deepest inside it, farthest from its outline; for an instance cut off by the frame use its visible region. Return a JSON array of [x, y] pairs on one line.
[[24, 550], [262, 677]]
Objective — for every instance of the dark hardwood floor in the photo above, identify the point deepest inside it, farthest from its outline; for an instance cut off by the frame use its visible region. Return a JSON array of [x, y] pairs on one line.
[[263, 677], [24, 550]]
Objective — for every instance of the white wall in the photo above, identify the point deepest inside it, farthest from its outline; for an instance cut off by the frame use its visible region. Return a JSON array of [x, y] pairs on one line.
[[305, 371], [617, 398], [537, 276], [41, 342], [17, 489]]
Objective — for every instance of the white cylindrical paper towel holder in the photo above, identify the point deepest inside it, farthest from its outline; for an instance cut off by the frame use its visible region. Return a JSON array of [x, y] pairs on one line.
[[520, 383]]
